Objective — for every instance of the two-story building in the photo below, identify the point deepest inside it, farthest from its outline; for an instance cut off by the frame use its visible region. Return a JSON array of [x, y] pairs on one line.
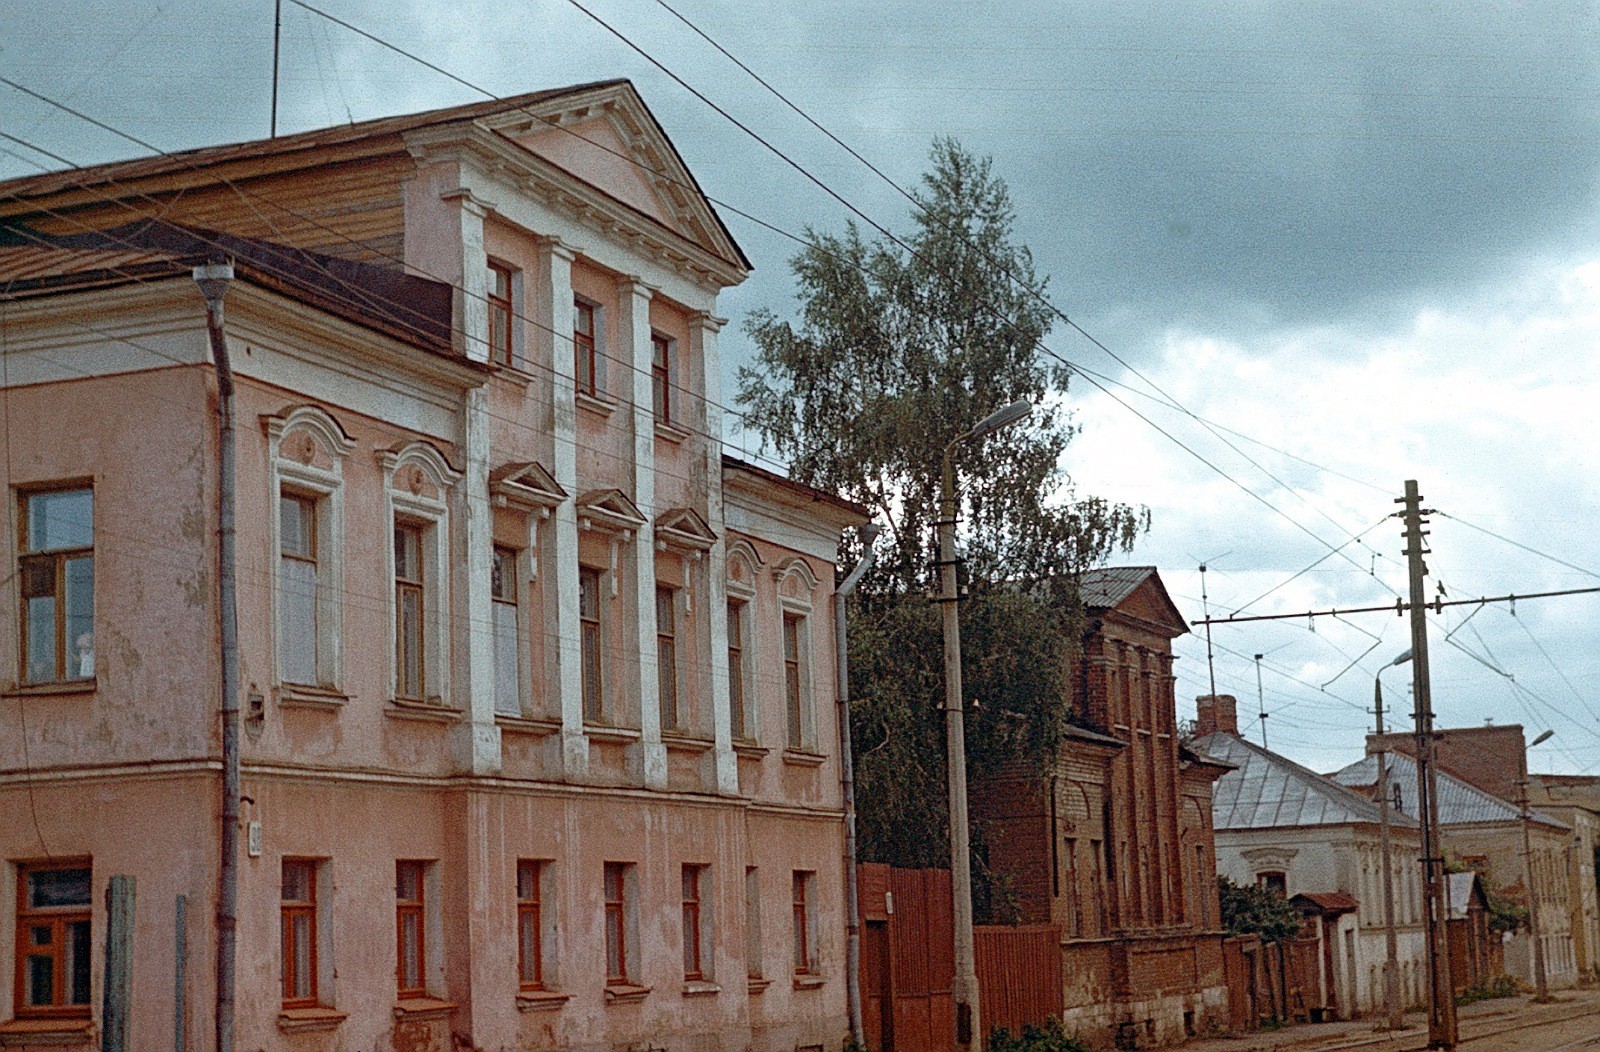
[[539, 745]]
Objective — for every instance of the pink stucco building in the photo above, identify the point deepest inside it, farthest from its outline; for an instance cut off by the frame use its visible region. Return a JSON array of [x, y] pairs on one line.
[[539, 744]]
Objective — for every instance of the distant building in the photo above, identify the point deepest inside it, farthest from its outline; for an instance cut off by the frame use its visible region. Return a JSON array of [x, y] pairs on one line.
[[539, 739], [1484, 832], [1284, 827], [1575, 800], [1111, 839]]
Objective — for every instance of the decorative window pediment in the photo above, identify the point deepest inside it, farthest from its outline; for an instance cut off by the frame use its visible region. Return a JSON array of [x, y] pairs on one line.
[[526, 486], [419, 470], [684, 529], [308, 436], [744, 568], [796, 582], [609, 511]]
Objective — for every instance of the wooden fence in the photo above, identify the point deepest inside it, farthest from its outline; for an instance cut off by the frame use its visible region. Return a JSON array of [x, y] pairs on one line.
[[1019, 974]]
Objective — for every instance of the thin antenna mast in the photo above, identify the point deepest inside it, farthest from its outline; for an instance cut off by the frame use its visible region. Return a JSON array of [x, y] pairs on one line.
[[1261, 701], [1205, 605], [277, 36]]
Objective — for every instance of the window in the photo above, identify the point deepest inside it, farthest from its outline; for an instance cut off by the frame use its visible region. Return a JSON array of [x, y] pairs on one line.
[[736, 671], [589, 620], [500, 313], [661, 376], [804, 925], [530, 925], [667, 655], [792, 685], [297, 588], [1275, 882], [299, 915], [503, 585], [618, 875], [410, 924], [410, 666], [752, 922], [53, 939], [585, 362], [695, 927], [56, 564]]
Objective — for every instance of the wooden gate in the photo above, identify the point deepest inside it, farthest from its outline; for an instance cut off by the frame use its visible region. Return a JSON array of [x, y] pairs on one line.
[[907, 958], [1019, 974]]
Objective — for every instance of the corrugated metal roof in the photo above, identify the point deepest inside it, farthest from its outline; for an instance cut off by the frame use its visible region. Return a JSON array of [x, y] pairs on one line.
[[1107, 586], [1269, 791], [1460, 803]]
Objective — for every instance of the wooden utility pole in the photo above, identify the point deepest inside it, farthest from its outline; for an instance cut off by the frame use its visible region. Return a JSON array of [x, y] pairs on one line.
[[1391, 964], [1442, 1029]]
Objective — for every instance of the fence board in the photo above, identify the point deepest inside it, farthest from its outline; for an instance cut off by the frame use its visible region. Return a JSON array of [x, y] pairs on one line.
[[1019, 974]]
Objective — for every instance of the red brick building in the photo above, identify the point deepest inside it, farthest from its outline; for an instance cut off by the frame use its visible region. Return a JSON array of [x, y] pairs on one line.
[[1111, 839]]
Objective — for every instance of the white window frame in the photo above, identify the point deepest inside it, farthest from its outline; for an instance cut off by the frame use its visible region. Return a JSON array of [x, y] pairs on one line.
[[521, 595], [750, 637], [433, 514], [290, 469], [797, 606]]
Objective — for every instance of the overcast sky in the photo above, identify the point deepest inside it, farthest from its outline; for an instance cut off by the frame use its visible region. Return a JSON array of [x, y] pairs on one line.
[[1365, 238]]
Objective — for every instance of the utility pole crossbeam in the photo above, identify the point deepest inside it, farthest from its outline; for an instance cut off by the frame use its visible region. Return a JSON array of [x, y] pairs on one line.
[[1442, 1028]]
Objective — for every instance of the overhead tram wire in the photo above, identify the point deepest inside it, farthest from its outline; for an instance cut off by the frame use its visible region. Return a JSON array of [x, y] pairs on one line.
[[1005, 266], [237, 190], [875, 225], [1515, 544]]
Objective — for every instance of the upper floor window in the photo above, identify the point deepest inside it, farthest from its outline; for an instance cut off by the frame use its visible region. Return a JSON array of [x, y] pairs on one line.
[[507, 636], [667, 655], [500, 312], [592, 642], [793, 678], [661, 376], [1274, 881], [411, 672], [53, 939], [585, 357], [736, 670], [56, 566], [297, 582]]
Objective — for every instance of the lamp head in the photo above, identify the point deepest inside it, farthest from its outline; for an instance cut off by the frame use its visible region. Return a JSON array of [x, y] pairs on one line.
[[1001, 418], [213, 280], [1402, 658], [1542, 738], [868, 532]]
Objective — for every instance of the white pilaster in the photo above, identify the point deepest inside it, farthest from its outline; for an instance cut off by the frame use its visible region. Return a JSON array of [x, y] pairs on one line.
[[703, 329], [633, 348], [471, 337], [554, 346]]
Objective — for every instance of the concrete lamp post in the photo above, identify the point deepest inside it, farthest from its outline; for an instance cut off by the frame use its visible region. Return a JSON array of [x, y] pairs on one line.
[[1391, 965], [1541, 983], [969, 1032]]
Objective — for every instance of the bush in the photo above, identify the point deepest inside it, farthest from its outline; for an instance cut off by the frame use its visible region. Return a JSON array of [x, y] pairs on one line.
[[1047, 1038], [1499, 986]]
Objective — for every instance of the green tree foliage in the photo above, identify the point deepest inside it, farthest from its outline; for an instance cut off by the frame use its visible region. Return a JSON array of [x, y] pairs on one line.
[[1248, 909], [896, 352]]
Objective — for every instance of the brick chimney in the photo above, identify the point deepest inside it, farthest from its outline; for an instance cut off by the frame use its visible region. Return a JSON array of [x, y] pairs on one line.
[[1216, 712]]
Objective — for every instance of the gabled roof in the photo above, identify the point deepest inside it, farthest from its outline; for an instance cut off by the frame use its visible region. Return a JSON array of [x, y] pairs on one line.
[[1460, 802], [1269, 791], [656, 157], [1132, 591], [526, 484]]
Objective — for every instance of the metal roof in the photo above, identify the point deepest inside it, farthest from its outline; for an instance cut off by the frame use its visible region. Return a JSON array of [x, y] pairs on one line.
[[1460, 803], [1107, 586], [1269, 791]]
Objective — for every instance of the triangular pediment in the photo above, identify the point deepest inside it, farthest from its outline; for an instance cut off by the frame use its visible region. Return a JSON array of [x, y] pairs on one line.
[[525, 485], [609, 510], [1136, 593], [684, 528], [608, 138]]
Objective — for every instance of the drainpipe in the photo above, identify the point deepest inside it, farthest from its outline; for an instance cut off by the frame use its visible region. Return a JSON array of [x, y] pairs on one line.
[[213, 280], [847, 781]]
